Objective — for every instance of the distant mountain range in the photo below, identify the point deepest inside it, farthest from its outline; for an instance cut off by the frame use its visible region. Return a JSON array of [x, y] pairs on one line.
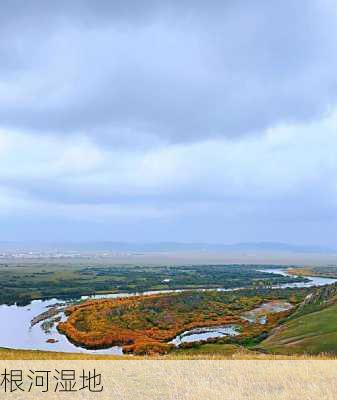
[[161, 247]]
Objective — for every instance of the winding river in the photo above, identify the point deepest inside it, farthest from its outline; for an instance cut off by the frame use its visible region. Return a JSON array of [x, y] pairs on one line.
[[16, 331]]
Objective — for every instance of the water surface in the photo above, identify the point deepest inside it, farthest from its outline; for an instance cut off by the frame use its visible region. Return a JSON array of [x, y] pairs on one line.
[[200, 334], [312, 280], [16, 331], [260, 314]]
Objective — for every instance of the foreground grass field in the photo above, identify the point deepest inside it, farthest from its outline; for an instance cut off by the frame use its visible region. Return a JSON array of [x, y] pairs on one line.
[[312, 333], [205, 352], [212, 379], [12, 354]]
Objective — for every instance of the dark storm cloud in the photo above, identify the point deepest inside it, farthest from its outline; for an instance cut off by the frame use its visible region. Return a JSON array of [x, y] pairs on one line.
[[129, 72]]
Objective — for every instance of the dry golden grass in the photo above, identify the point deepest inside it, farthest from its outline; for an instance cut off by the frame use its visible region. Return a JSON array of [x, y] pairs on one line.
[[11, 354], [194, 380], [239, 354], [240, 376], [236, 380]]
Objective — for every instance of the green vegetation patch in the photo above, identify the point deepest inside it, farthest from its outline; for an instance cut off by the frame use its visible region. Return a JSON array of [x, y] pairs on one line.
[[23, 283]]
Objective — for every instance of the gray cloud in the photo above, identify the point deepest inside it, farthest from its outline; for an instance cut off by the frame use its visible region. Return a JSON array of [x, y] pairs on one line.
[[177, 120], [135, 72]]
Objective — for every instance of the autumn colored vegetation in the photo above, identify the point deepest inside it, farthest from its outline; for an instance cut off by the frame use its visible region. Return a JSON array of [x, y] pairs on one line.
[[321, 271], [145, 324], [303, 272]]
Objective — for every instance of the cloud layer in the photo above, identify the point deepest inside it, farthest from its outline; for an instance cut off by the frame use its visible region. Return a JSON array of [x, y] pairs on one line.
[[175, 121], [177, 72]]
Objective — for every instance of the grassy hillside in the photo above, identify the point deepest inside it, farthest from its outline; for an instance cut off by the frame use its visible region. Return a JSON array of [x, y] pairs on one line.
[[311, 333]]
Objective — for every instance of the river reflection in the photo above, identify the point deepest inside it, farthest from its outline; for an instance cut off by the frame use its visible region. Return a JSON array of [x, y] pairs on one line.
[[16, 331], [200, 334]]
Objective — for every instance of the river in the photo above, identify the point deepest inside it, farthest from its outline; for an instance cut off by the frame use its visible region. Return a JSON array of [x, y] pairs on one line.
[[16, 331]]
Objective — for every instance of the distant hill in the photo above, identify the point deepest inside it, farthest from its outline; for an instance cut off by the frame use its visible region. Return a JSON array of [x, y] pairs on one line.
[[163, 247]]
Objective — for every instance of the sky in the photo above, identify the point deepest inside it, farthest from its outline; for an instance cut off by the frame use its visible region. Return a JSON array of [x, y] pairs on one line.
[[181, 120]]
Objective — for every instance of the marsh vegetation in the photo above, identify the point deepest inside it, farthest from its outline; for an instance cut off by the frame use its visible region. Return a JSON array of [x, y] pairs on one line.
[[158, 309], [21, 284], [150, 324]]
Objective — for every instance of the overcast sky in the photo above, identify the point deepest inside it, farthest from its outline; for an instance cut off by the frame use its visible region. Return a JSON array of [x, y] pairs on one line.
[[169, 120]]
